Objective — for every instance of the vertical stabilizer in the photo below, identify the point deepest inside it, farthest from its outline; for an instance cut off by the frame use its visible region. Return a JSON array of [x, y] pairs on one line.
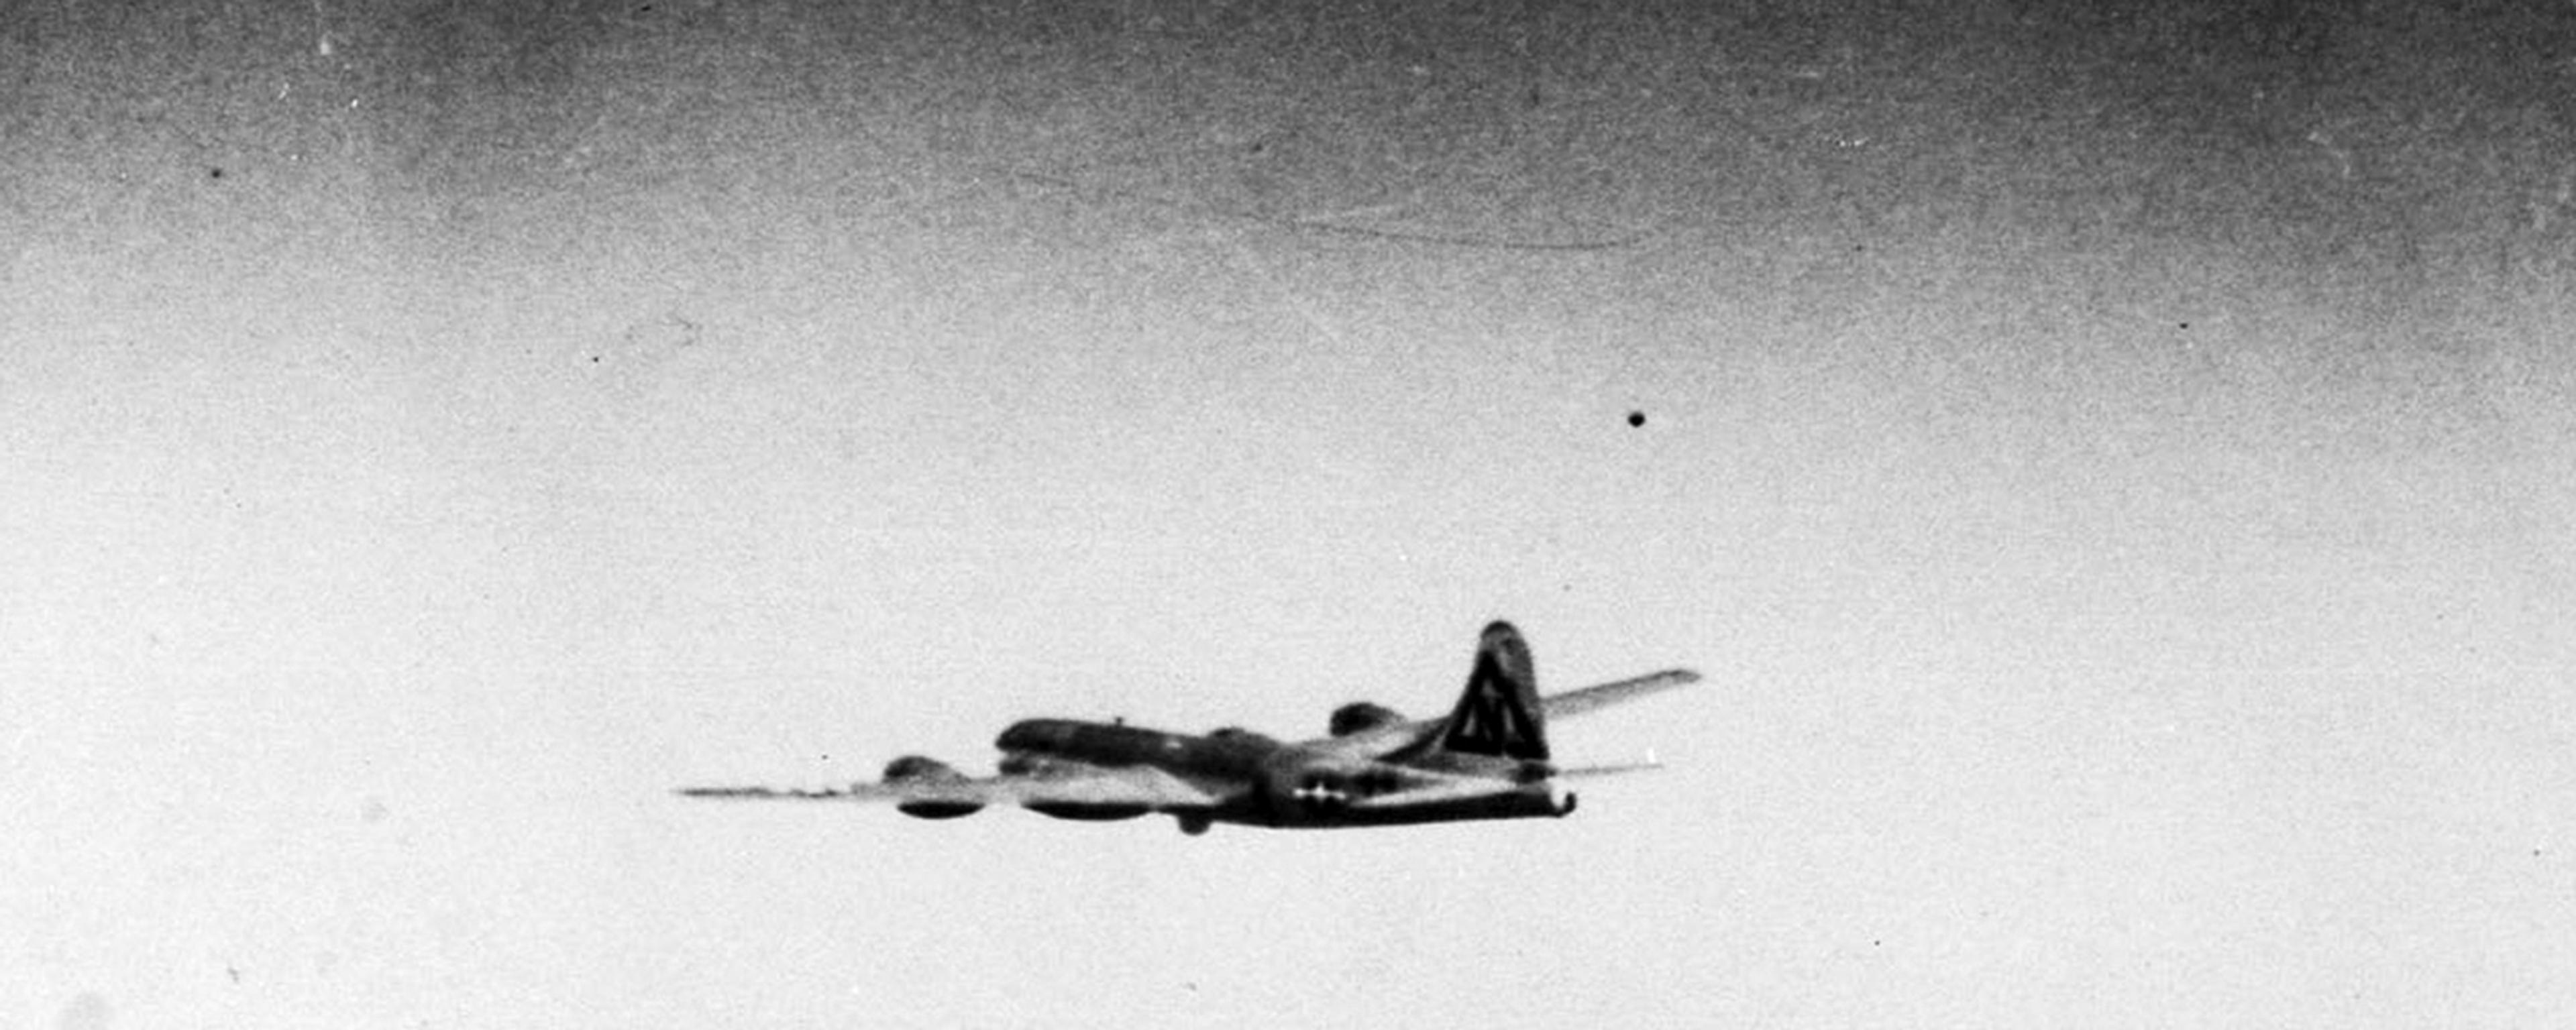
[[1499, 714]]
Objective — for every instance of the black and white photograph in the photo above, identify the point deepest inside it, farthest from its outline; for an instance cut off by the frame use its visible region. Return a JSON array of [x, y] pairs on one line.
[[1513, 514]]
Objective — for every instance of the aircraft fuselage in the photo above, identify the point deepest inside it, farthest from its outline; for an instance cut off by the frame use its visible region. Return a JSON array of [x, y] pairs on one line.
[[1260, 781]]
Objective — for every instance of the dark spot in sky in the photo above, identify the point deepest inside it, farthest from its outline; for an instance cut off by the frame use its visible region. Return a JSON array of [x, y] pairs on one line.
[[1636, 418], [2186, 325], [214, 173], [594, 359]]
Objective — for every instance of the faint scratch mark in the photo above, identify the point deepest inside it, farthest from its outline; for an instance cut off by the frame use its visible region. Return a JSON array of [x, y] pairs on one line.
[[321, 32], [1472, 241], [2542, 211], [1296, 302], [1347, 214], [2343, 158], [669, 333]]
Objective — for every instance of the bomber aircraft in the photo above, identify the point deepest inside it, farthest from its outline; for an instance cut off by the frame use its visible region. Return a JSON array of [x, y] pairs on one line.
[[1488, 759]]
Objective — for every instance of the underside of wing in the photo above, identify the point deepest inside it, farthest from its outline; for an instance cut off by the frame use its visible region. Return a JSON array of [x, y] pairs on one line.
[[1065, 790], [1595, 698], [971, 794], [1098, 792]]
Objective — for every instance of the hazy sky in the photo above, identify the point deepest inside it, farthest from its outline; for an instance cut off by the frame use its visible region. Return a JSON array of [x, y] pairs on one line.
[[2116, 470]]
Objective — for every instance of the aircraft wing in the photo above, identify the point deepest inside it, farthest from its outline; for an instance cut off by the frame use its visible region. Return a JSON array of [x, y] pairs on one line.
[[1595, 698], [1064, 784]]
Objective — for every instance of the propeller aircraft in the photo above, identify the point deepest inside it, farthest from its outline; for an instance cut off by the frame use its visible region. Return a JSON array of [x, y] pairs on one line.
[[1487, 759]]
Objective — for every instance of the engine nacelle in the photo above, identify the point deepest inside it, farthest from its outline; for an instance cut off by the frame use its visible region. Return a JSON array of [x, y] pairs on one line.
[[918, 769], [1087, 811], [1361, 717]]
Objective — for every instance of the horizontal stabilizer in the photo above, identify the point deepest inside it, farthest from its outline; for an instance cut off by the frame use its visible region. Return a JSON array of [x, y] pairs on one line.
[[1611, 769], [1593, 699]]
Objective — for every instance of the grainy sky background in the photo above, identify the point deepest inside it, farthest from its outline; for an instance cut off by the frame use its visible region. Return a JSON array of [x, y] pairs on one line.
[[2114, 462]]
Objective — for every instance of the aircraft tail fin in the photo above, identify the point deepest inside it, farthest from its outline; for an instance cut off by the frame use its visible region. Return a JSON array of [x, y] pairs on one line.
[[1499, 714]]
